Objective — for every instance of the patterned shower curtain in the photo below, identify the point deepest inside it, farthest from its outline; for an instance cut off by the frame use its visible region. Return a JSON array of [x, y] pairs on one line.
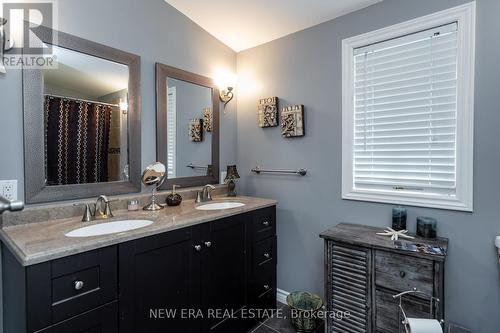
[[77, 141]]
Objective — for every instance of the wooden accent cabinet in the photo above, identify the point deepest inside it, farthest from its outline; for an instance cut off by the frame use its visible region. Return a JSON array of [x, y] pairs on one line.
[[364, 270]]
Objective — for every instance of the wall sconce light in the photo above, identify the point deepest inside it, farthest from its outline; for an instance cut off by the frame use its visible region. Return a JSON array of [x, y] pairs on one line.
[[226, 95], [5, 44], [123, 106], [226, 83]]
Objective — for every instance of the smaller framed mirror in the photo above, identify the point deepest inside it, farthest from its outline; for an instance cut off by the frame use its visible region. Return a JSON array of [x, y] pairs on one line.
[[187, 111]]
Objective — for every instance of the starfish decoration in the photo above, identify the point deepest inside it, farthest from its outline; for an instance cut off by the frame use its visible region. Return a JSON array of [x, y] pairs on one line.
[[395, 235]]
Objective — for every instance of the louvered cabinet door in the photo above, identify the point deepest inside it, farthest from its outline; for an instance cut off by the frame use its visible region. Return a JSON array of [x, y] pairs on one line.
[[348, 284]]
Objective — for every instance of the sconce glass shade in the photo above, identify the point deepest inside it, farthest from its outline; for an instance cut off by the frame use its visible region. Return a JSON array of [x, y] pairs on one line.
[[232, 173], [123, 106], [226, 82]]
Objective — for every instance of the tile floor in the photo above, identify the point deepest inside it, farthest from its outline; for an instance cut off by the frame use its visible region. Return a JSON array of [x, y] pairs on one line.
[[281, 324]]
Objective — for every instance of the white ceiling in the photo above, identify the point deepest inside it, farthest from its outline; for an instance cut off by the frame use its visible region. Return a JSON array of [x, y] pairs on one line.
[[83, 76], [242, 24]]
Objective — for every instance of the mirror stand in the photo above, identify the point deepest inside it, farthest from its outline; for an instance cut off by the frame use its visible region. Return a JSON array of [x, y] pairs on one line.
[[153, 206], [155, 175]]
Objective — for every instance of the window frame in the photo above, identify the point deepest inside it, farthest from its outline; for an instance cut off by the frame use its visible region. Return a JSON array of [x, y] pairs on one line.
[[465, 16]]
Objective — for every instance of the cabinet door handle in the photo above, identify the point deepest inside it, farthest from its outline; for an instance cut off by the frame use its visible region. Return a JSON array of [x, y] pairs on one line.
[[208, 244], [402, 274], [78, 285], [267, 255], [265, 223], [197, 248]]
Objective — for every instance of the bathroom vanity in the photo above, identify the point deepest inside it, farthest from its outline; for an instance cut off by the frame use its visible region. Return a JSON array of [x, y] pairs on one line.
[[134, 281]]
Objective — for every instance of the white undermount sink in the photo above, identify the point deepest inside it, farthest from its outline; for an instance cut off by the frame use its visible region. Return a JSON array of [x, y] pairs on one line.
[[107, 228], [220, 205]]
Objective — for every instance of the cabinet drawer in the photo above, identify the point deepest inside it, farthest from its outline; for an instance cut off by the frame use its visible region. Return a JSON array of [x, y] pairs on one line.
[[69, 286], [263, 224], [263, 281], [101, 320], [389, 317], [263, 293], [401, 273], [264, 252]]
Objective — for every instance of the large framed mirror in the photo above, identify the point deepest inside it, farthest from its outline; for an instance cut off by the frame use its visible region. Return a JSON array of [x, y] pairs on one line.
[[187, 127], [82, 132]]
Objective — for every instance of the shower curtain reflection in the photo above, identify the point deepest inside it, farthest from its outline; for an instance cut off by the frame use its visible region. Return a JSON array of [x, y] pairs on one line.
[[77, 135]]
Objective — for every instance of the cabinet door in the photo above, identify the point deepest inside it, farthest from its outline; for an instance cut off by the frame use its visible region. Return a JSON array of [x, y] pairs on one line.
[[101, 320], [157, 283], [349, 287], [223, 271]]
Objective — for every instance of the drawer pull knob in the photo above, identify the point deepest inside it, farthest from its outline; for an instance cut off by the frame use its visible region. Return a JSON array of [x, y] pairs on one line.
[[208, 244], [197, 248], [267, 255], [265, 223], [402, 274], [266, 287], [78, 285]]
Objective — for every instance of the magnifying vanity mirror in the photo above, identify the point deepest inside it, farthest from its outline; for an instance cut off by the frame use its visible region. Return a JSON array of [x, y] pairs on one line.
[[187, 127], [79, 116], [154, 175]]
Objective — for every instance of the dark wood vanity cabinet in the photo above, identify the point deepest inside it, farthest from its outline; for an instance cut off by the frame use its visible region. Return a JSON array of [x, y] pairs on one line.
[[201, 267], [363, 271], [62, 292], [152, 284], [156, 275]]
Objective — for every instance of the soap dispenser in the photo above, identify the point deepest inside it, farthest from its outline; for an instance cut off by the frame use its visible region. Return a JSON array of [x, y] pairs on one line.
[[174, 199]]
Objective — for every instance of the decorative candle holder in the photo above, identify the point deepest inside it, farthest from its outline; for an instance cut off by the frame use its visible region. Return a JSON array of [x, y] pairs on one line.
[[232, 175], [426, 227], [399, 218]]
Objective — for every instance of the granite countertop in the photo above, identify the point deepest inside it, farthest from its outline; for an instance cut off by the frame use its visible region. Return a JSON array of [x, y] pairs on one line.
[[43, 241]]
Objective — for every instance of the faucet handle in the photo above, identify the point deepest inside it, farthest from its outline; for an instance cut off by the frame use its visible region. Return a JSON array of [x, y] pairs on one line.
[[107, 209], [87, 214], [199, 195]]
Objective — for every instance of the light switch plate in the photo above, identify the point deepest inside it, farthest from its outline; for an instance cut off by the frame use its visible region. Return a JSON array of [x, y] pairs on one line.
[[8, 189]]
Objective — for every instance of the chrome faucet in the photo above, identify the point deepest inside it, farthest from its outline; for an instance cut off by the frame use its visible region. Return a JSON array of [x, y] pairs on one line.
[[205, 194], [104, 213], [99, 212]]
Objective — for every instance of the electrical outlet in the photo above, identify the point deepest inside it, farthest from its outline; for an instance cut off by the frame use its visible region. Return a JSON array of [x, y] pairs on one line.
[[8, 189]]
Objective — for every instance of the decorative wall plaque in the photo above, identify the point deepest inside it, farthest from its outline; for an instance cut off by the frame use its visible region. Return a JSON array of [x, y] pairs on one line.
[[207, 119], [196, 130], [268, 112], [292, 121]]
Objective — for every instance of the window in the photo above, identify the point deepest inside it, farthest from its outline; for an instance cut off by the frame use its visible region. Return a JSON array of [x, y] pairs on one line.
[[408, 100], [171, 131]]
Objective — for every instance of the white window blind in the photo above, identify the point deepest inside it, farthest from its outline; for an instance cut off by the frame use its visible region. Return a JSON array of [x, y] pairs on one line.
[[405, 113], [171, 131]]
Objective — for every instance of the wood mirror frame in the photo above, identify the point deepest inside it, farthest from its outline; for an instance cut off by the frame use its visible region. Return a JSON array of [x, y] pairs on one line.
[[36, 190], [162, 73]]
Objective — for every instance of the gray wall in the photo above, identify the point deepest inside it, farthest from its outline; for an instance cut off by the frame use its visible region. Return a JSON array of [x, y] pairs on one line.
[[152, 29], [305, 67]]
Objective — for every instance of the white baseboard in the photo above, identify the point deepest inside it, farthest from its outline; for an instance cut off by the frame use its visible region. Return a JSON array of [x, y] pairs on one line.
[[281, 295]]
